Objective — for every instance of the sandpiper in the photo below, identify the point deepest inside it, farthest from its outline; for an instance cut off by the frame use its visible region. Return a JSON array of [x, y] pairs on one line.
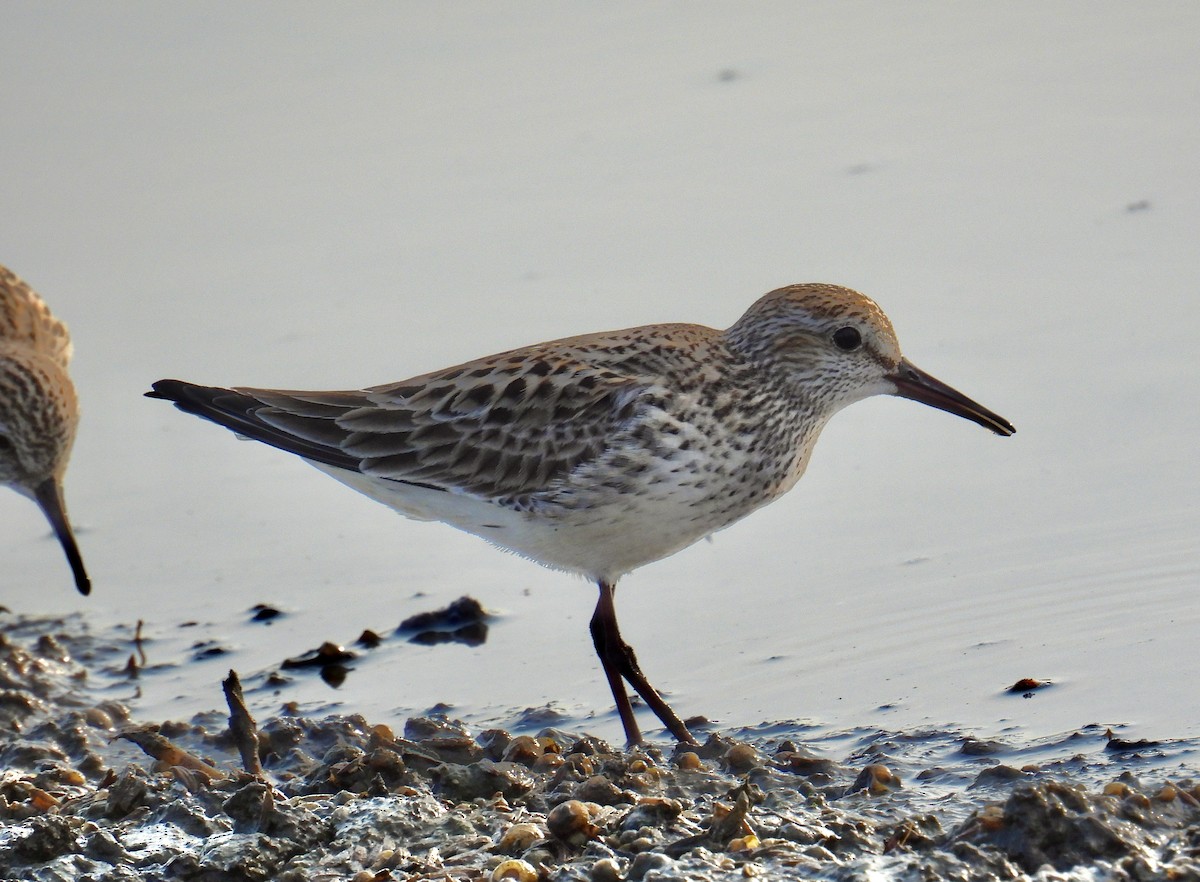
[[38, 408], [600, 453]]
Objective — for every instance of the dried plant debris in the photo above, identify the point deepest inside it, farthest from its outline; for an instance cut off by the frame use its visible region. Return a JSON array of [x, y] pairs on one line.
[[85, 793], [262, 612], [242, 727], [463, 621], [1026, 686]]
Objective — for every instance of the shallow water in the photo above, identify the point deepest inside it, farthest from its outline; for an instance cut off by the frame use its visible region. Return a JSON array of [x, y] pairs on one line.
[[355, 198]]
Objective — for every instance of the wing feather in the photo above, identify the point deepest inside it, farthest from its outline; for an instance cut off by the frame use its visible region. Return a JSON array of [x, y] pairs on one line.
[[500, 427], [26, 320]]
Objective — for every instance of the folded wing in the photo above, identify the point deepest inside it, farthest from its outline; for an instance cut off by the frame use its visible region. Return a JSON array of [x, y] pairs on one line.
[[501, 427]]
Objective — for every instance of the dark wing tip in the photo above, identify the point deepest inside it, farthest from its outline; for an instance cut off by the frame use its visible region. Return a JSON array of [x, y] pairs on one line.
[[239, 411], [169, 390], [212, 402]]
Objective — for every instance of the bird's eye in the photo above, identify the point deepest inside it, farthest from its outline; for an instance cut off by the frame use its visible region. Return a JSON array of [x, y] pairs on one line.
[[847, 339]]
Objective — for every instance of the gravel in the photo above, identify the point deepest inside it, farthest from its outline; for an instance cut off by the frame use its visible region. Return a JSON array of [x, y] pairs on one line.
[[89, 793]]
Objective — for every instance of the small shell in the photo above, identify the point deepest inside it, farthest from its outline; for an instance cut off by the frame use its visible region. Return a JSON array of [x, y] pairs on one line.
[[875, 779], [1168, 793], [581, 764], [880, 779], [1118, 789], [647, 779], [992, 817], [522, 871], [98, 718], [668, 807], [548, 762], [689, 761], [519, 837], [523, 749], [741, 757], [383, 732], [41, 800], [744, 843], [72, 777], [605, 870], [572, 822]]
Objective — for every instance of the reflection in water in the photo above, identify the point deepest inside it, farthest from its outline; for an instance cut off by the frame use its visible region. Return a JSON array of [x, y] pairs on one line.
[[473, 634], [463, 621]]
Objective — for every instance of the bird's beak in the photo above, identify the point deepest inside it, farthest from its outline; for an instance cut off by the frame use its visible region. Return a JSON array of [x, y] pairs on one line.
[[912, 382], [49, 496]]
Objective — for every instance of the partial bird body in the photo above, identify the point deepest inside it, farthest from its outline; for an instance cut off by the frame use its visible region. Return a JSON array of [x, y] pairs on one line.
[[39, 411], [600, 453]]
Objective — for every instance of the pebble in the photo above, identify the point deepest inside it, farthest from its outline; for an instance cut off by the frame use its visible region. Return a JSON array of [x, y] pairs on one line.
[[605, 870], [344, 793], [647, 861], [98, 717]]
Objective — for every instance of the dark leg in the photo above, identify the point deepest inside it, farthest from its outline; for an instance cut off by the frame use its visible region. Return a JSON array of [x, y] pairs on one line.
[[619, 661], [607, 640]]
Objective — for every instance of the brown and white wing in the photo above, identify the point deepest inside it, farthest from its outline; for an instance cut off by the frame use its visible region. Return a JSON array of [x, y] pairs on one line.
[[248, 413], [495, 428], [25, 319]]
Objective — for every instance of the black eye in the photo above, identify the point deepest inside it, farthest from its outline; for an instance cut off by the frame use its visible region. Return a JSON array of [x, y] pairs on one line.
[[848, 339]]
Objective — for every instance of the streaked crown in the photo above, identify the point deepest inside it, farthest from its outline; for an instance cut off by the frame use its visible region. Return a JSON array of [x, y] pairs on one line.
[[832, 340]]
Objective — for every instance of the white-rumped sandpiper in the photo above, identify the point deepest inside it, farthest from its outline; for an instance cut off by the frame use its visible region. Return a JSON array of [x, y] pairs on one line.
[[598, 454], [38, 408]]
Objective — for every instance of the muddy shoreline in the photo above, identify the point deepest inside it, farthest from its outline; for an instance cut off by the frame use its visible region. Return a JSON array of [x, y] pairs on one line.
[[343, 798]]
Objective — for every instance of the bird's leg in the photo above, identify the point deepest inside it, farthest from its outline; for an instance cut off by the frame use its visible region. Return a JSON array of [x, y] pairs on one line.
[[633, 673], [619, 660], [609, 647]]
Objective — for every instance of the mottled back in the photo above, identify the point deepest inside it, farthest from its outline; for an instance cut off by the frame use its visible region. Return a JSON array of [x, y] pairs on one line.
[[25, 320]]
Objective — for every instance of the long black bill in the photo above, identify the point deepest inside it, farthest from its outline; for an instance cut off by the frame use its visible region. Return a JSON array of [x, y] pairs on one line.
[[49, 496], [912, 382]]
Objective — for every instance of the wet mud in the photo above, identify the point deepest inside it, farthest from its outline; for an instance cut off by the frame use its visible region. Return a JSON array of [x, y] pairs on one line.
[[88, 792]]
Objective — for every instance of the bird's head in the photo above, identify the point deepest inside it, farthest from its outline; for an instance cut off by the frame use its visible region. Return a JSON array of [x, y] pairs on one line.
[[838, 347]]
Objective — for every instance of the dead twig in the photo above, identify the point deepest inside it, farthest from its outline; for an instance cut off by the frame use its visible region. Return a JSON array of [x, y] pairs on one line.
[[242, 725], [169, 754]]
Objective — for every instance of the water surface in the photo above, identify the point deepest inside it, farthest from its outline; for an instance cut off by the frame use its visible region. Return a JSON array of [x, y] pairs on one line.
[[330, 198]]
